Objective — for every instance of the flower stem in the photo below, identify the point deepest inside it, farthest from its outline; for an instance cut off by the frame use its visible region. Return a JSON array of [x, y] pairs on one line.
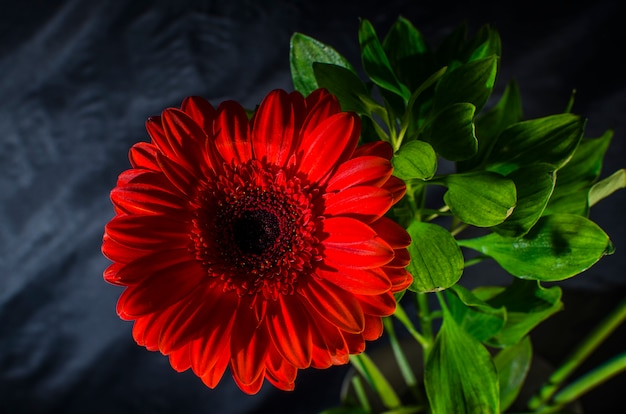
[[425, 318], [580, 354]]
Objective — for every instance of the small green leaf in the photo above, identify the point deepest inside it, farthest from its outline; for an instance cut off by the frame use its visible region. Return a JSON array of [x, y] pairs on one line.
[[486, 43], [608, 186], [376, 63], [408, 53], [465, 366], [483, 199], [415, 159], [559, 246], [345, 85], [575, 178], [474, 315], [490, 124], [436, 260], [303, 52], [534, 185], [512, 364], [549, 140], [471, 82], [451, 132], [527, 304]]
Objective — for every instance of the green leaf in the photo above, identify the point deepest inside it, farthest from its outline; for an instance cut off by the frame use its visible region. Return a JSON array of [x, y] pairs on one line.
[[474, 315], [460, 376], [512, 364], [368, 369], [436, 260], [534, 185], [575, 178], [482, 199], [559, 246], [490, 124], [408, 53], [471, 82], [303, 52], [345, 85], [486, 43], [451, 132], [608, 186], [415, 159], [549, 140], [527, 304], [376, 63]]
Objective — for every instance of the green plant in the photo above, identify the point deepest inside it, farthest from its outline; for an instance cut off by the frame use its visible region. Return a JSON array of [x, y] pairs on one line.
[[519, 193]]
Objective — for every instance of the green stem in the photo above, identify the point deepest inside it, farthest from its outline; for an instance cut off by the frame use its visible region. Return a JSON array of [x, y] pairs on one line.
[[580, 354], [425, 319], [403, 363]]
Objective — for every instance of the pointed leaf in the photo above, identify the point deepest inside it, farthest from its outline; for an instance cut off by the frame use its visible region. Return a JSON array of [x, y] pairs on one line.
[[473, 315], [464, 365], [575, 178], [534, 185], [376, 63], [550, 140], [345, 85], [436, 260], [471, 82], [527, 304], [368, 369], [559, 246], [482, 199], [451, 132], [408, 53], [415, 159], [512, 364], [607, 186], [303, 52]]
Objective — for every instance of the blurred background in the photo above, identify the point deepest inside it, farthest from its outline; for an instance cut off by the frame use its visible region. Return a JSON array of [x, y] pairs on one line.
[[77, 81]]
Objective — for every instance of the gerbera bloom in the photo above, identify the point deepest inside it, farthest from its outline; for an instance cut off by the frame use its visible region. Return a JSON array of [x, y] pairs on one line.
[[259, 245]]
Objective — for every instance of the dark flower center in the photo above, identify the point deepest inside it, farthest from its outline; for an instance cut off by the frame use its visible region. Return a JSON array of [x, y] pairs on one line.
[[255, 231]]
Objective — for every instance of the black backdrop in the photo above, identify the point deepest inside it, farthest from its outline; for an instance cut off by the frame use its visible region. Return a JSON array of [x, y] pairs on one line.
[[77, 81]]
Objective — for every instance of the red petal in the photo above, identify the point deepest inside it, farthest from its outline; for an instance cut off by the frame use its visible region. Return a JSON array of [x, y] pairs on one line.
[[401, 259], [353, 244], [363, 281], [366, 170], [400, 279], [186, 141], [361, 202], [232, 135], [203, 311], [273, 130], [201, 111], [147, 232], [396, 186], [373, 328], [334, 304], [210, 354], [146, 329], [212, 376], [378, 148], [329, 346], [378, 305], [330, 143], [143, 155], [279, 372], [159, 289], [120, 253], [321, 105], [150, 193], [289, 328], [393, 233], [248, 346], [180, 359], [253, 387], [144, 267]]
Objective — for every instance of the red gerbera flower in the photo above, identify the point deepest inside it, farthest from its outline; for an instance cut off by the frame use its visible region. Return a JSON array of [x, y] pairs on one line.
[[257, 245]]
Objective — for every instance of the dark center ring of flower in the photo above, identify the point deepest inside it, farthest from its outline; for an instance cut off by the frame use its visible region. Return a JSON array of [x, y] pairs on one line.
[[254, 230]]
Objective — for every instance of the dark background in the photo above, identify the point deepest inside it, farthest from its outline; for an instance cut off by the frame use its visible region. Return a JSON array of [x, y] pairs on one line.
[[77, 81]]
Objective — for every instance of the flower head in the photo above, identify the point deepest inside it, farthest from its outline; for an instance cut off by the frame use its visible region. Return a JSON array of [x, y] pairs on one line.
[[256, 245]]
